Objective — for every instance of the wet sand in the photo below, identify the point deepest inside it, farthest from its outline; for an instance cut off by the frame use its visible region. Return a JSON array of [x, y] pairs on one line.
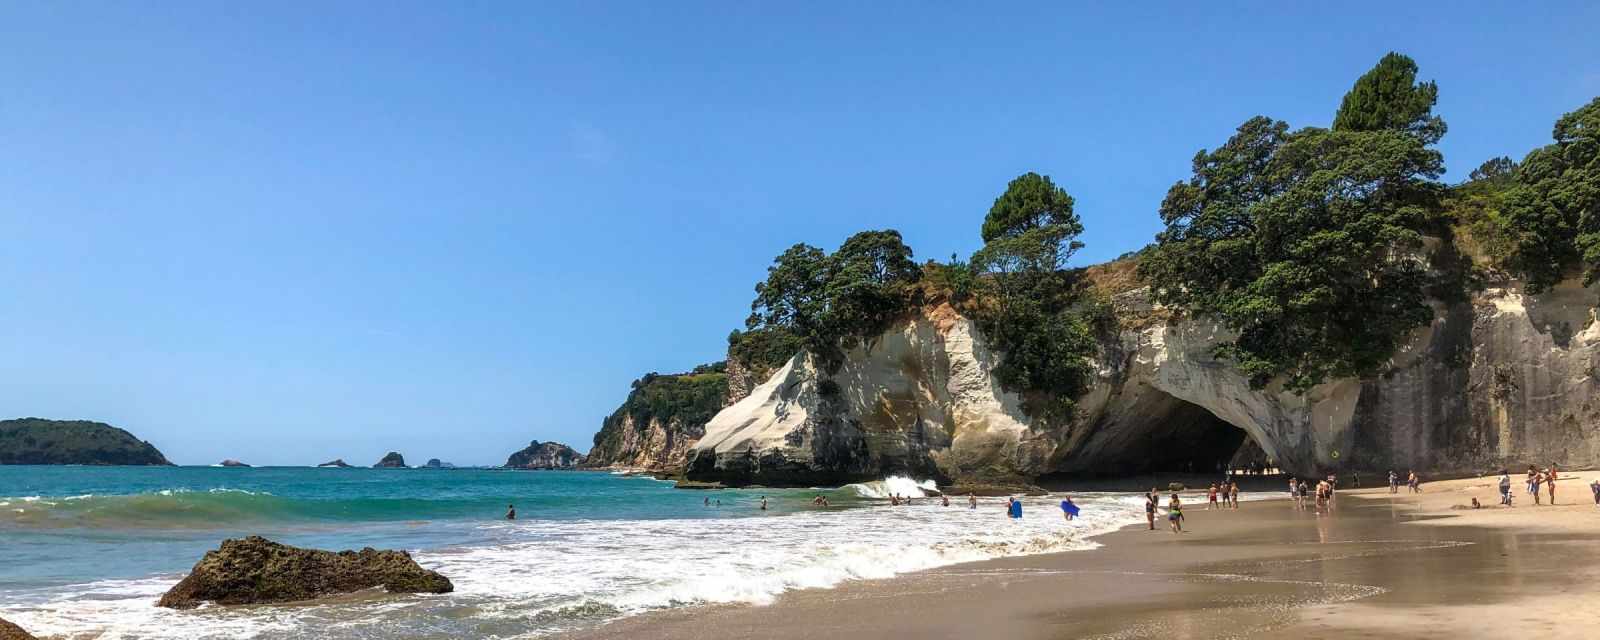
[[1378, 567]]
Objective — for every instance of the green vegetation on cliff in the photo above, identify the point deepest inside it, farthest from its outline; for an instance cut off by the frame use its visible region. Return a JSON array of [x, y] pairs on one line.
[[40, 441], [680, 403]]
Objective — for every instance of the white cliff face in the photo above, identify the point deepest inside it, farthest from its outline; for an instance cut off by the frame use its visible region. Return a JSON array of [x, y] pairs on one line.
[[1504, 380], [919, 399]]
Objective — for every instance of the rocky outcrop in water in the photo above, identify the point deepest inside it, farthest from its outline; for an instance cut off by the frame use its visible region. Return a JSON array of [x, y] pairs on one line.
[[10, 631], [662, 417], [545, 455], [435, 463], [41, 441], [1502, 379], [230, 462], [391, 460], [255, 570], [335, 463]]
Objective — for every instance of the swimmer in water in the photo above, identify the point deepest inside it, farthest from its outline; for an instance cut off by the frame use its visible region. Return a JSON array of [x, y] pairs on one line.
[[944, 500], [763, 503], [511, 512], [972, 501]]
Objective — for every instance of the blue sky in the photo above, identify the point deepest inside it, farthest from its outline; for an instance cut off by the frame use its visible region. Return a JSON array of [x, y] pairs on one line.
[[288, 232]]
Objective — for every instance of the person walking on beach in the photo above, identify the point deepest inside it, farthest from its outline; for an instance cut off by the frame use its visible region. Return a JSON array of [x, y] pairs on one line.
[[1535, 483], [1394, 482], [1413, 482], [1233, 493], [511, 512], [1150, 507], [1595, 487], [1175, 514], [1211, 497], [1068, 510], [972, 501], [1505, 487]]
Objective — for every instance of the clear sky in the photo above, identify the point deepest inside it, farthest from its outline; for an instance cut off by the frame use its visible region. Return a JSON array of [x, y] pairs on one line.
[[289, 232]]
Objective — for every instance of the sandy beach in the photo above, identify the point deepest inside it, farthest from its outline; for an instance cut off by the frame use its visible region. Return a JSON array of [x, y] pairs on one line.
[[1381, 565]]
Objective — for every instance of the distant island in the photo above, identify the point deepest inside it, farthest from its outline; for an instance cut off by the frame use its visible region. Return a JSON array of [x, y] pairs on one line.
[[545, 455], [340, 463], [230, 462], [41, 441], [392, 460]]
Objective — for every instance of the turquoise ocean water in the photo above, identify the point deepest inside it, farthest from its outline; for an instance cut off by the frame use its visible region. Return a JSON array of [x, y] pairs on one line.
[[85, 551]]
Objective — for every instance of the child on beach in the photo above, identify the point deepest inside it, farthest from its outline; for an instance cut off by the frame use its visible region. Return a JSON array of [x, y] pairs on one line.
[[1233, 493], [1175, 514], [1505, 487]]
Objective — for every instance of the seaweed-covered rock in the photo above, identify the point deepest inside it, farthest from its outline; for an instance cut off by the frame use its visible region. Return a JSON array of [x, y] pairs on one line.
[[256, 570]]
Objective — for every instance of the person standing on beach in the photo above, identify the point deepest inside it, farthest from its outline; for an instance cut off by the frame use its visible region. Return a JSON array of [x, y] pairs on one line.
[[1595, 487], [1394, 482], [1535, 483], [1550, 483], [1505, 487], [1413, 482], [1150, 507], [1233, 493], [1211, 497], [1175, 514]]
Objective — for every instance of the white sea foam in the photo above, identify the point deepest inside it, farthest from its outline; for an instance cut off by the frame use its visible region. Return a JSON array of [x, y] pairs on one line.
[[895, 485], [540, 576]]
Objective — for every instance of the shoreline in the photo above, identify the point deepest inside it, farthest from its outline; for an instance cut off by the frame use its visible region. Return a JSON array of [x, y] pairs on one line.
[[1379, 566]]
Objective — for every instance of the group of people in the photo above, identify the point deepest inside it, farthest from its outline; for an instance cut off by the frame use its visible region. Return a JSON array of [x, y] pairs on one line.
[[1537, 478], [1413, 482], [1228, 492], [1321, 500], [1152, 502]]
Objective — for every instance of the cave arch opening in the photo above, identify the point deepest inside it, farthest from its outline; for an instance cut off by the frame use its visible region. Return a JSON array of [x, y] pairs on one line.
[[1157, 433]]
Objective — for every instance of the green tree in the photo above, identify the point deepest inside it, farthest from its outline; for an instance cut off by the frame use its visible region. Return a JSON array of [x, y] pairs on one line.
[[1554, 209], [1304, 244], [831, 302], [1499, 169], [1389, 98], [1036, 211], [1031, 311]]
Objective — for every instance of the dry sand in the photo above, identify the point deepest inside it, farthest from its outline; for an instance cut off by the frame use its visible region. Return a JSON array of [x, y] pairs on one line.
[[1379, 567]]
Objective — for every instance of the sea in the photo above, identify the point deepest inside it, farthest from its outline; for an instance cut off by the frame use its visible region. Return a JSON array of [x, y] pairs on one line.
[[85, 552]]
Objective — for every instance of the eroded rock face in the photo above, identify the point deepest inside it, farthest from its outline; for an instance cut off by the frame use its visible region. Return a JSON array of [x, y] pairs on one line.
[[10, 631], [1503, 380], [917, 400], [662, 417], [545, 455], [255, 570]]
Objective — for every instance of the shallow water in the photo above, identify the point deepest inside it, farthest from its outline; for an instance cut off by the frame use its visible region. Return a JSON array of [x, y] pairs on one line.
[[86, 551]]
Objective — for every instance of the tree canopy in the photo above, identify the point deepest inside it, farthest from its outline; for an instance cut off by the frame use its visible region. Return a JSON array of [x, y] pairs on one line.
[[1302, 242], [1389, 98], [831, 302], [1554, 209]]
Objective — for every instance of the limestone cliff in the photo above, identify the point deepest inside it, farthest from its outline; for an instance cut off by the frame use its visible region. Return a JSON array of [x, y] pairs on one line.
[[1503, 379], [663, 416], [545, 455]]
